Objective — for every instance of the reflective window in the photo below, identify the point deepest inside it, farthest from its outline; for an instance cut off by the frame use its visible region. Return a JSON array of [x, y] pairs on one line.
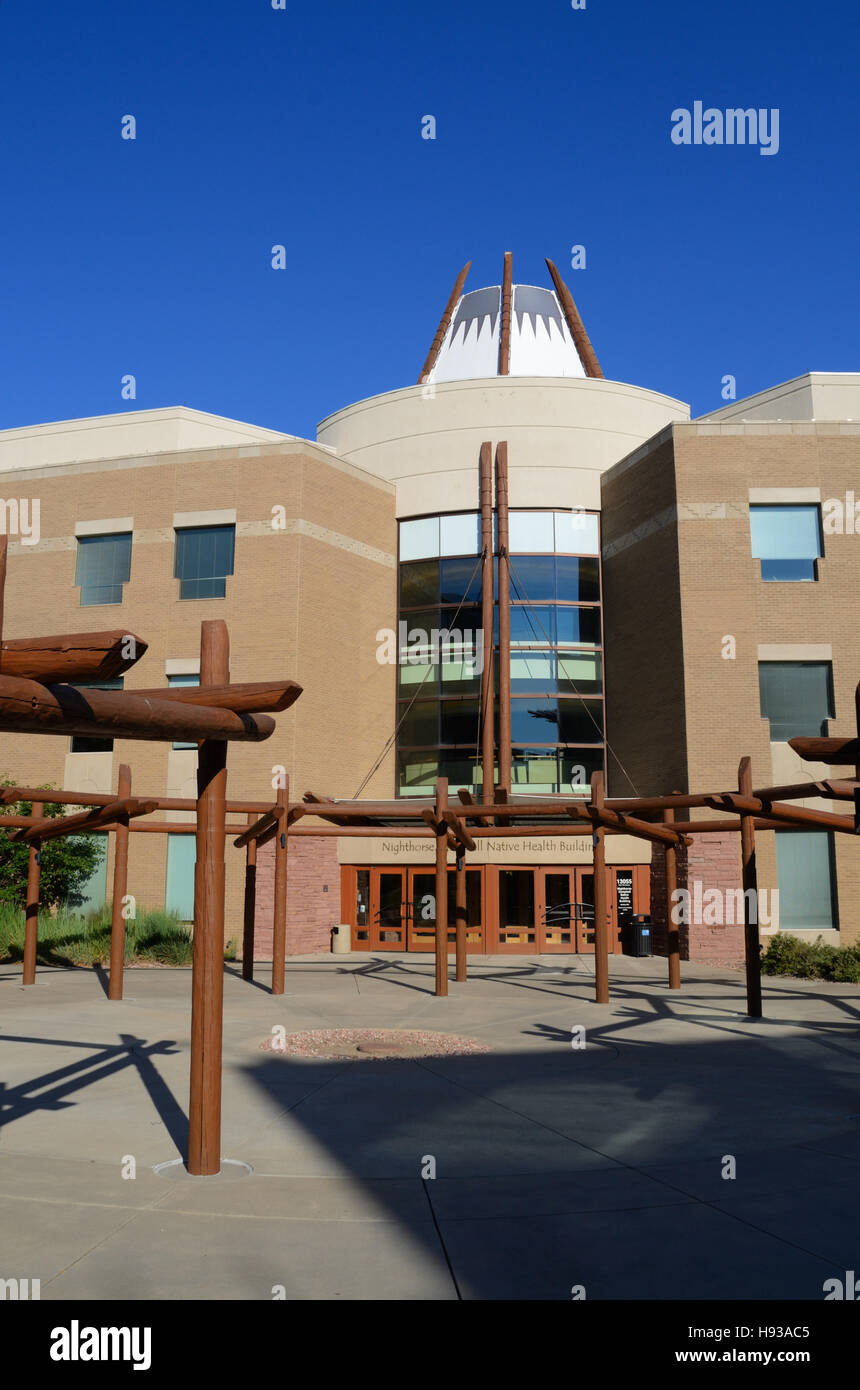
[[103, 566], [796, 698], [84, 744], [183, 680], [555, 650], [786, 539], [204, 559], [806, 875]]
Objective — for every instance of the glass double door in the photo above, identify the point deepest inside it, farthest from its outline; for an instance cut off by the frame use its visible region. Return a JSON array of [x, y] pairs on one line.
[[401, 909], [545, 910]]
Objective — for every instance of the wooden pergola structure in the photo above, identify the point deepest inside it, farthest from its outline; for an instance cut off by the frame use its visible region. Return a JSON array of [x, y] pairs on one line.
[[38, 695]]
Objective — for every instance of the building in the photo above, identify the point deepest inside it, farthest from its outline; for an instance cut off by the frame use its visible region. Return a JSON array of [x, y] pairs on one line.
[[639, 543]]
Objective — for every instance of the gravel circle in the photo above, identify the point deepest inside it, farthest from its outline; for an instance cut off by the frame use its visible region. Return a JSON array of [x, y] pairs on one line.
[[365, 1044]]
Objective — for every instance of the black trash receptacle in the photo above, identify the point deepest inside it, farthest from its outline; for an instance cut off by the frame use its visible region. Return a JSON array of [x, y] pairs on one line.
[[637, 935]]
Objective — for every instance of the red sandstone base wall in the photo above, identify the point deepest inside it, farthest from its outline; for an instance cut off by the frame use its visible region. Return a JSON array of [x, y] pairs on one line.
[[313, 896], [715, 862]]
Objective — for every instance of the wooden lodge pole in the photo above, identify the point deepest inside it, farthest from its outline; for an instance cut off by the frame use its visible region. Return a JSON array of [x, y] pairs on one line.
[[601, 906], [673, 934], [460, 950], [250, 906], [488, 695], [31, 920], [279, 929], [207, 980], [504, 619], [441, 887], [120, 887], [749, 881]]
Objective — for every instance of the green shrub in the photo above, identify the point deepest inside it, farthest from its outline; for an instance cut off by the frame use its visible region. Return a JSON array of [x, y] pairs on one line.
[[811, 960], [66, 938]]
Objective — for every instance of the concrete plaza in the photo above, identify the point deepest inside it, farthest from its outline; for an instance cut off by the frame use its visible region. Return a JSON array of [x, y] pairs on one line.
[[557, 1167]]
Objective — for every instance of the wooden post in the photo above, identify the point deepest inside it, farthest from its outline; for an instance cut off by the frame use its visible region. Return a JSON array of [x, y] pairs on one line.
[[441, 887], [31, 920], [601, 932], [504, 619], [250, 905], [120, 887], [749, 881], [460, 951], [279, 931], [207, 980], [673, 935], [488, 697]]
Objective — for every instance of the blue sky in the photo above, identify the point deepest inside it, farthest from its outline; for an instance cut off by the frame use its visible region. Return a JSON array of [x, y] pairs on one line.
[[302, 127]]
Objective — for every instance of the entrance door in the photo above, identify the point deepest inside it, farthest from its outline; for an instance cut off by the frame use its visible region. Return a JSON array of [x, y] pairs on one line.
[[517, 918], [422, 910], [387, 913], [565, 908]]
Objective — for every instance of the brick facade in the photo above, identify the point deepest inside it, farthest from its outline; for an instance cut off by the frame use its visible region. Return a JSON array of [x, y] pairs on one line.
[[313, 896]]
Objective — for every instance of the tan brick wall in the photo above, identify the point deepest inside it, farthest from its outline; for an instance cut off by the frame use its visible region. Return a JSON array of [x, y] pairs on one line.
[[303, 603], [712, 707], [642, 629]]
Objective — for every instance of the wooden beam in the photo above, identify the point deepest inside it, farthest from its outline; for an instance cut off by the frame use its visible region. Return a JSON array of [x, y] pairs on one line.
[[87, 821], [207, 977], [749, 880], [587, 355], [30, 708], [279, 926], [504, 618], [468, 800], [505, 328], [673, 935], [444, 324], [163, 803], [839, 751], [601, 902], [488, 692], [460, 970], [792, 815], [267, 821], [256, 697], [81, 656], [120, 889], [441, 888], [31, 910], [250, 905]]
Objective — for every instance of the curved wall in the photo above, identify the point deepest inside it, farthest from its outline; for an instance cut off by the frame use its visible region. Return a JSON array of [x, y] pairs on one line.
[[562, 434]]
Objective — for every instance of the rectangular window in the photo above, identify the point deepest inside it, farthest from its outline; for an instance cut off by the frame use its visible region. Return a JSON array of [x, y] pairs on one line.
[[181, 858], [806, 875], [786, 539], [183, 680], [81, 744], [796, 697], [204, 559], [103, 566]]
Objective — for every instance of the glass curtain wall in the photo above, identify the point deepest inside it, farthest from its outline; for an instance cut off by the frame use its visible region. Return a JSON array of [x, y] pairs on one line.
[[556, 652]]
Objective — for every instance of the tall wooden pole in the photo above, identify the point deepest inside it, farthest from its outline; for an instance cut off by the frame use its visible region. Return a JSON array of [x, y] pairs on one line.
[[504, 618], [488, 697], [250, 905], [505, 328], [749, 881], [673, 935], [279, 931], [31, 920], [460, 950], [441, 888], [207, 980], [120, 888], [601, 932]]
